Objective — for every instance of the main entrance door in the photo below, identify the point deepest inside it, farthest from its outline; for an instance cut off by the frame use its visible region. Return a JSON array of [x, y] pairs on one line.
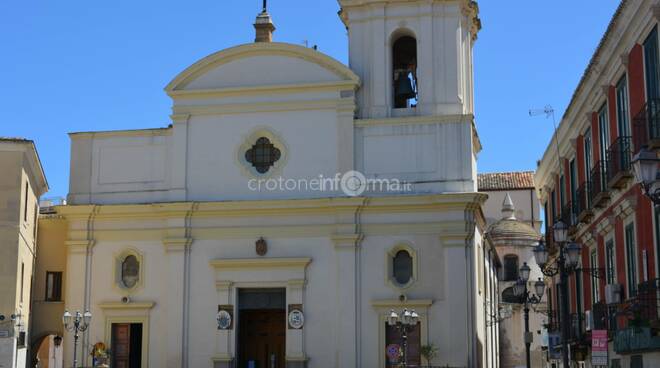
[[261, 328], [126, 345]]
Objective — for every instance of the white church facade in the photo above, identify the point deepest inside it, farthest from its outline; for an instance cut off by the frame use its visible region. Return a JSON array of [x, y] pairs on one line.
[[292, 204]]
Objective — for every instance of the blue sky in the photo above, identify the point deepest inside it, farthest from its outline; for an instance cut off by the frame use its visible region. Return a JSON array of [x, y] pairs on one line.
[[79, 65]]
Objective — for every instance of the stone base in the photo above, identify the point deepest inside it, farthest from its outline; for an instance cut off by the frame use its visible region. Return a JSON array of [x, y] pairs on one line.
[[296, 364]]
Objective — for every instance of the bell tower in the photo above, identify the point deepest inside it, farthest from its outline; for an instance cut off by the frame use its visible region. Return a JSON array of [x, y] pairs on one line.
[[414, 57]]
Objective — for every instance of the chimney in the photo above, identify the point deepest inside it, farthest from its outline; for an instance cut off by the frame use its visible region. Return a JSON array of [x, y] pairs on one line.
[[264, 27]]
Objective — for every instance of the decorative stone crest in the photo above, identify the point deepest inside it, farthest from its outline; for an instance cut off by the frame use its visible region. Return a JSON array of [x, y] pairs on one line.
[[261, 247]]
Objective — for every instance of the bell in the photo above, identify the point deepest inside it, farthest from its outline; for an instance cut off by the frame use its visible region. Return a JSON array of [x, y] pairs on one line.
[[403, 87]]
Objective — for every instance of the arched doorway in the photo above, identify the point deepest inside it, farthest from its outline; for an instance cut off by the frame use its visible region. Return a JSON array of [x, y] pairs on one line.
[[48, 352]]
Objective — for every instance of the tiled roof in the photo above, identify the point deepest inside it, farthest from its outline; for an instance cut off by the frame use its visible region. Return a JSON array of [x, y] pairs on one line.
[[13, 139], [506, 181]]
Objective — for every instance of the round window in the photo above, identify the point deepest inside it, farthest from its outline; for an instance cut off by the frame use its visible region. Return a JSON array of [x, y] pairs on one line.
[[402, 267], [130, 271]]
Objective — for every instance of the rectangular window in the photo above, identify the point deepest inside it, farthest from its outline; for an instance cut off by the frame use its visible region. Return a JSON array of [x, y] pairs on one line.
[[22, 280], [553, 205], [604, 132], [595, 292], [657, 232], [631, 260], [579, 291], [562, 191], [651, 74], [510, 268], [588, 164], [25, 202], [609, 260], [36, 220], [574, 187], [53, 286], [622, 110]]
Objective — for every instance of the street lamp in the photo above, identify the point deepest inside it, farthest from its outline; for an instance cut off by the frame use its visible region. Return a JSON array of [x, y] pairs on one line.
[[541, 254], [80, 324], [404, 322], [560, 232], [526, 298], [645, 168], [573, 249], [566, 263]]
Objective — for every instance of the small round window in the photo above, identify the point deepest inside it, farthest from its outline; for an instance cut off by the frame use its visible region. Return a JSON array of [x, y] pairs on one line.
[[402, 267], [263, 155], [130, 271]]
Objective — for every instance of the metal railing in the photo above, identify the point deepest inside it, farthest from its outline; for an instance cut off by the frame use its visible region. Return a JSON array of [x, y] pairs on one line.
[[582, 202], [598, 180], [646, 304], [569, 214], [577, 327], [619, 158], [646, 125]]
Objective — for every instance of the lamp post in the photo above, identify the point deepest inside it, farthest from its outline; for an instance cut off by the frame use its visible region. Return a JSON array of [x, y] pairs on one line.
[[645, 167], [562, 268], [80, 324], [404, 323], [526, 298]]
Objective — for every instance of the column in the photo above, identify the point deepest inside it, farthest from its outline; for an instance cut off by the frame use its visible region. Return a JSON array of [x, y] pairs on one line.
[[346, 247]]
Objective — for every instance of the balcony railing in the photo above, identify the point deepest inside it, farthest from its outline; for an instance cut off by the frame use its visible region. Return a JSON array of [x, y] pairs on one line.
[[604, 316], [646, 126], [599, 194], [619, 158], [577, 327], [582, 203], [569, 214]]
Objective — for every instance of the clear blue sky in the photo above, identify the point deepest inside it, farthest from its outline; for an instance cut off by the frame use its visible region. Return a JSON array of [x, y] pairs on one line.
[[77, 65]]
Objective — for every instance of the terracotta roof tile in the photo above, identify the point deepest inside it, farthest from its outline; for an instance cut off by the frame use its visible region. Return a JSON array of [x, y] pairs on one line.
[[506, 181]]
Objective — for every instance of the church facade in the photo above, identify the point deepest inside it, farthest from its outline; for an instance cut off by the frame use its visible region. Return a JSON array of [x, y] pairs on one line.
[[292, 205]]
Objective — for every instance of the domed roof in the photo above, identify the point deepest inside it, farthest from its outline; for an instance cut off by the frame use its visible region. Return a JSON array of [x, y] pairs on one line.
[[511, 231]]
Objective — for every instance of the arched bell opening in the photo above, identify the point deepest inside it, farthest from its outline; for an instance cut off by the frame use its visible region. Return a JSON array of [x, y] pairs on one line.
[[404, 72]]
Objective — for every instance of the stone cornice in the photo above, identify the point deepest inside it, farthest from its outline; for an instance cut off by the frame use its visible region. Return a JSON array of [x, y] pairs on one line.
[[243, 263], [406, 203]]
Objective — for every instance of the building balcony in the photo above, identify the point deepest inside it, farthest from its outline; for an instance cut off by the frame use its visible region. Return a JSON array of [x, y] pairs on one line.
[[641, 320], [604, 317], [619, 158], [646, 126], [635, 339], [600, 193], [569, 216], [582, 203], [577, 332]]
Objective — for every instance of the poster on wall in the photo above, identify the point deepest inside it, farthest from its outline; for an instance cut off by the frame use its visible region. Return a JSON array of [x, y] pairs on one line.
[[554, 346], [599, 348]]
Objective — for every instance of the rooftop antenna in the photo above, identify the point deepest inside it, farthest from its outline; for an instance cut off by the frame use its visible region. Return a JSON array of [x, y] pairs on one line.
[[265, 7], [548, 111]]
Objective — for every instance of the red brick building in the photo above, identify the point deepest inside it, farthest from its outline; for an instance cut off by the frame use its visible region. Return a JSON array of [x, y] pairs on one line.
[[585, 179]]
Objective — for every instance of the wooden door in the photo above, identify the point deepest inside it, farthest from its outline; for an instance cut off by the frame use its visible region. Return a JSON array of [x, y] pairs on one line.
[[126, 345], [262, 337], [393, 336], [121, 345]]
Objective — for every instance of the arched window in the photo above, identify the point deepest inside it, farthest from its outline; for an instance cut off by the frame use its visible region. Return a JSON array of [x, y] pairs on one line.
[[130, 271], [510, 268], [402, 267], [404, 72]]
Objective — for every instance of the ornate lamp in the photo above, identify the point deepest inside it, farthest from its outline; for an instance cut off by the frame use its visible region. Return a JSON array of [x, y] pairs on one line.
[[524, 272], [645, 167], [560, 232], [574, 250], [539, 287], [541, 254]]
